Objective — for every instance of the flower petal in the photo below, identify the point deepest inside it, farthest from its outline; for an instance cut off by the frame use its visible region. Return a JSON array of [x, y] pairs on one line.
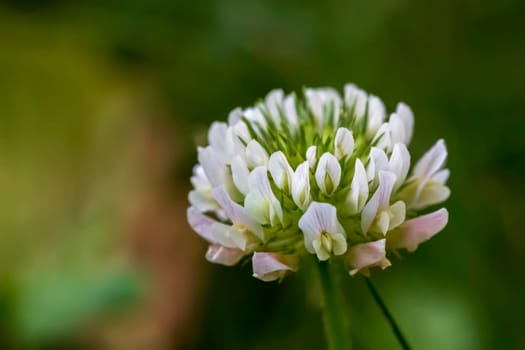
[[397, 214], [201, 223], [328, 173], [281, 171], [365, 255], [290, 112], [311, 156], [398, 129], [399, 163], [235, 116], [301, 186], [218, 254], [358, 194], [274, 101], [202, 200], [212, 165], [376, 115], [378, 162], [237, 213], [343, 143], [431, 161], [255, 154], [272, 266], [418, 230], [319, 218], [260, 188], [356, 100], [405, 113], [379, 201], [431, 193], [240, 174]]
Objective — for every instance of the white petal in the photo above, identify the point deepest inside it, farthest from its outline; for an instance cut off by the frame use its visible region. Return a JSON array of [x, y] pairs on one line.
[[199, 179], [213, 165], [202, 200], [281, 171], [216, 136], [344, 143], [240, 130], [236, 213], [415, 231], [405, 113], [218, 254], [301, 186], [256, 155], [363, 256], [432, 161], [240, 174], [229, 236], [378, 162], [358, 189], [328, 173], [273, 102], [399, 163], [355, 99], [398, 130], [441, 176], [311, 156], [260, 187], [318, 218], [376, 115], [379, 201], [272, 266], [382, 138], [255, 116], [290, 112], [235, 116]]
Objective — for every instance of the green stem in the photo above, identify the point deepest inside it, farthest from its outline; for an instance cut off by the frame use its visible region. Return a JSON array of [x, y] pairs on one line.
[[334, 310], [397, 331]]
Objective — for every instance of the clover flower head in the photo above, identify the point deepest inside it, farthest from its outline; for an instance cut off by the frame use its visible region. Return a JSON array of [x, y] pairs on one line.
[[315, 174]]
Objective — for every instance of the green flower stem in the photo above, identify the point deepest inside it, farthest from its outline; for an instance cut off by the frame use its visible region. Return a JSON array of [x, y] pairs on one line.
[[334, 310], [397, 331]]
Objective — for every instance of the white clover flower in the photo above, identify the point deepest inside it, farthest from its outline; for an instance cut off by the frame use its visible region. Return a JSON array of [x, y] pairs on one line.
[[317, 174]]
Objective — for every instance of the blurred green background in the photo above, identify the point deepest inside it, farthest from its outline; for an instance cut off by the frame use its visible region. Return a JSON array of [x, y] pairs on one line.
[[101, 104]]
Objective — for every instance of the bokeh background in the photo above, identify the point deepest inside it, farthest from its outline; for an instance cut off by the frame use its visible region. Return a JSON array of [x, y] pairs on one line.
[[103, 102]]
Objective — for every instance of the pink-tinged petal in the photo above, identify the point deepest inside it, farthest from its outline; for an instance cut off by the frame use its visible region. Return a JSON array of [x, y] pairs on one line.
[[218, 254], [418, 230], [431, 161], [379, 201], [272, 266], [407, 116], [365, 255], [236, 213], [201, 223]]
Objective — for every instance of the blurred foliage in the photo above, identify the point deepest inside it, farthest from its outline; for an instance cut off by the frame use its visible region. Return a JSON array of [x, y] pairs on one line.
[[77, 77]]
